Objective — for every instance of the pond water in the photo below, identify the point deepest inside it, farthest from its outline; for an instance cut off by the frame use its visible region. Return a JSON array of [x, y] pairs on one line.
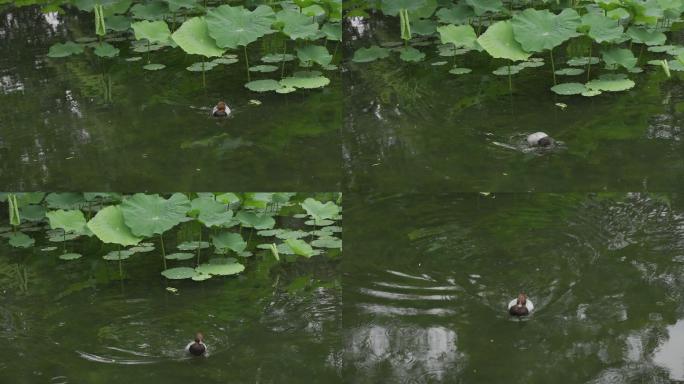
[[84, 123], [425, 302], [415, 127], [77, 322]]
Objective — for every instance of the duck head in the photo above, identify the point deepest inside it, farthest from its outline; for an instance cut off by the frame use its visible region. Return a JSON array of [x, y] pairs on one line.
[[545, 141], [520, 307], [221, 109]]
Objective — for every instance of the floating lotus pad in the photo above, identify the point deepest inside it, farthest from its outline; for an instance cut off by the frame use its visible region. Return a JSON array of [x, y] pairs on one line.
[[582, 61], [263, 68], [319, 211], [569, 88], [192, 245], [225, 60], [142, 249], [202, 66], [118, 255], [180, 256], [179, 273], [20, 240], [154, 67], [106, 50], [314, 53], [327, 242], [277, 57], [611, 83], [319, 222], [268, 85], [372, 53], [411, 54], [570, 71], [64, 49], [289, 234], [70, 256], [256, 221], [305, 82], [300, 247], [226, 269], [619, 56], [48, 249], [507, 69], [229, 240]]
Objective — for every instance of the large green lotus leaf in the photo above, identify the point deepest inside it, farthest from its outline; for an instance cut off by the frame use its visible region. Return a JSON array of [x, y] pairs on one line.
[[300, 247], [569, 88], [458, 14], [69, 221], [28, 198], [320, 211], [179, 273], [153, 31], [619, 56], [210, 212], [611, 83], [175, 5], [480, 7], [256, 221], [66, 200], [296, 25], [646, 36], [411, 54], [118, 23], [147, 215], [232, 27], [499, 42], [460, 36], [20, 240], [193, 38], [423, 27], [221, 269], [332, 31], [63, 50], [154, 10], [425, 11], [32, 212], [109, 226], [602, 28], [537, 30], [306, 82], [229, 240], [314, 53], [106, 50], [372, 53], [392, 7]]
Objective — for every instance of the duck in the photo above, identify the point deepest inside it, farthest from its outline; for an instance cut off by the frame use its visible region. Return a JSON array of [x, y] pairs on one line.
[[197, 347], [220, 110], [540, 139], [520, 306]]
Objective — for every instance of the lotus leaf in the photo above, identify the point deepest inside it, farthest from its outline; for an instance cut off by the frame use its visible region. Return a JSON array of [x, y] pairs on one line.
[[201, 277], [314, 53], [332, 31], [153, 10], [147, 215], [611, 83], [68, 221], [619, 56], [263, 85], [499, 42], [582, 61], [277, 57], [539, 30], [154, 67], [117, 23], [109, 226], [175, 5], [106, 50], [20, 240], [570, 71], [297, 25], [459, 36], [459, 71], [220, 269], [180, 256], [569, 88], [32, 212], [193, 37], [263, 68], [256, 221], [118, 255], [63, 50], [179, 273], [141, 249], [411, 54], [300, 247], [229, 240], [392, 7], [507, 70], [70, 256], [327, 242], [224, 60], [63, 237], [202, 66], [591, 93], [67, 200], [153, 31], [458, 14], [602, 28], [210, 212], [291, 234], [319, 211], [423, 27], [372, 53], [48, 249], [480, 7], [646, 36], [232, 27], [308, 82], [192, 245]]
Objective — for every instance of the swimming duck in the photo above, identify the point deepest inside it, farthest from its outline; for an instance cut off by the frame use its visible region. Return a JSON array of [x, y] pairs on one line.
[[220, 110], [197, 347], [520, 306], [539, 139]]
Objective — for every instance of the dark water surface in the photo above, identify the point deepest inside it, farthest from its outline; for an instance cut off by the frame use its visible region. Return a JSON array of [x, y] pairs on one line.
[[415, 127], [85, 123], [428, 277], [76, 322]]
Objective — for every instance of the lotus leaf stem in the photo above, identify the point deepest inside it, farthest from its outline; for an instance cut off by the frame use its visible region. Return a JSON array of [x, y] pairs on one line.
[[161, 241], [246, 62], [553, 66], [589, 62]]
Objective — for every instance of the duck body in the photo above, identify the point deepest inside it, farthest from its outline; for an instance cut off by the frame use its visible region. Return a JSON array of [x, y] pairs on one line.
[[197, 347], [220, 110], [520, 306], [539, 139]]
